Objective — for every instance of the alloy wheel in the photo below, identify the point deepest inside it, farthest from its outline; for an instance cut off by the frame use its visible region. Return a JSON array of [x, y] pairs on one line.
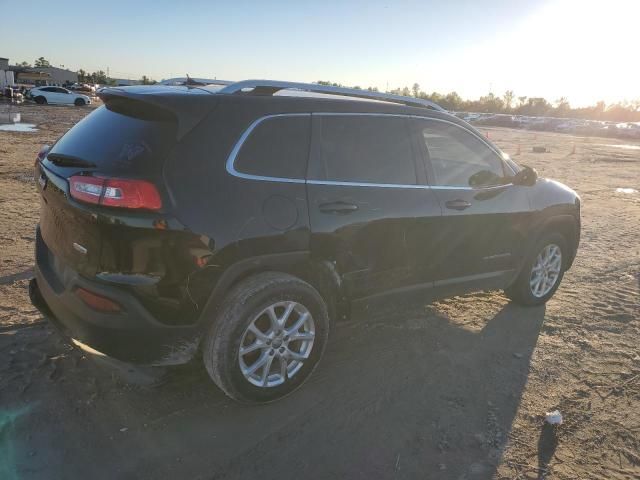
[[546, 270], [276, 344]]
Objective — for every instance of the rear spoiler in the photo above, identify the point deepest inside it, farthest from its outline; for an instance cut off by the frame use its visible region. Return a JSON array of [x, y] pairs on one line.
[[187, 106]]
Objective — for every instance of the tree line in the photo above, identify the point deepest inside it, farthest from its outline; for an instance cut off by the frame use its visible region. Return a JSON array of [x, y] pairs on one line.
[[509, 103], [99, 76]]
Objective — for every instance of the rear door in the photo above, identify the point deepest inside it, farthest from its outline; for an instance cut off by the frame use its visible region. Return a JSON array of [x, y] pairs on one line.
[[50, 94], [366, 199], [484, 217]]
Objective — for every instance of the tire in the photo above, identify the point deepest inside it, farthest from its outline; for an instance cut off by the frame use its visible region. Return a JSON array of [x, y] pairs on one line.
[[248, 304], [40, 100], [522, 291], [79, 102]]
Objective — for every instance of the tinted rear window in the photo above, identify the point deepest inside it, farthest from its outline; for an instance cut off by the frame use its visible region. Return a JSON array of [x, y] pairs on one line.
[[115, 142], [364, 149], [277, 147]]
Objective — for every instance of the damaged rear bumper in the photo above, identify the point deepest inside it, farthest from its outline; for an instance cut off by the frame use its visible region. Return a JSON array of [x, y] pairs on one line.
[[131, 336]]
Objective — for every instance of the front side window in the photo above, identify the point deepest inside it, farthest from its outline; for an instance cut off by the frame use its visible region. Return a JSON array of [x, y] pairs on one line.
[[363, 149], [278, 147], [458, 158]]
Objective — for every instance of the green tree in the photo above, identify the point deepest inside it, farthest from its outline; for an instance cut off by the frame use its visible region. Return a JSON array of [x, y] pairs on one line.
[[147, 81], [416, 90], [23, 64], [508, 99], [562, 106], [82, 76], [42, 62], [452, 101]]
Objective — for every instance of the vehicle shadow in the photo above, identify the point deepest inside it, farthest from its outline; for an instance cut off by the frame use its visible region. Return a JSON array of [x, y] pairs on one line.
[[404, 392]]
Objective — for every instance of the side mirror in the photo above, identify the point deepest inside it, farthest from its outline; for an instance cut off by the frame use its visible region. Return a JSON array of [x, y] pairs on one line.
[[526, 177]]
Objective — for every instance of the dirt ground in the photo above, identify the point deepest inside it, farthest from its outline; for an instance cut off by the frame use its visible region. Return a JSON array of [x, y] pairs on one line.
[[453, 390]]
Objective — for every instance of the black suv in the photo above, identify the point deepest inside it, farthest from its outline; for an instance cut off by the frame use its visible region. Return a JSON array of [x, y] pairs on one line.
[[238, 221]]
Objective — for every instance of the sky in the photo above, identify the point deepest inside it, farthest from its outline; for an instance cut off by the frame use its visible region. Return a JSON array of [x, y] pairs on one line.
[[584, 50]]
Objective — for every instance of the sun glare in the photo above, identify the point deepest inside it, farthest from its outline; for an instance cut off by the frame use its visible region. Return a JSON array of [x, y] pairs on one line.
[[581, 48]]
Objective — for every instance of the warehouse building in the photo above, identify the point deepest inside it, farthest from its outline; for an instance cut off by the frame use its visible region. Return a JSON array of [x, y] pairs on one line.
[[39, 75]]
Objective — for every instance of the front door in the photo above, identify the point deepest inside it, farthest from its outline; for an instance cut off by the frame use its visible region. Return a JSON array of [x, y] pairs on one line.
[[484, 217], [367, 200]]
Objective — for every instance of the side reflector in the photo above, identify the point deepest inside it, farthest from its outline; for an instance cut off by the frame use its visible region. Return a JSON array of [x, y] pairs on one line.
[[98, 302]]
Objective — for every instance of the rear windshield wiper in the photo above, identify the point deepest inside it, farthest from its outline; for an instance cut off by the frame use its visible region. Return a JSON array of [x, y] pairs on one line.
[[61, 160]]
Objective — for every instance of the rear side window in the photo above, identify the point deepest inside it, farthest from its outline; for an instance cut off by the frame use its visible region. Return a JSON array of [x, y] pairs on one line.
[[363, 149], [277, 147], [116, 142], [458, 158]]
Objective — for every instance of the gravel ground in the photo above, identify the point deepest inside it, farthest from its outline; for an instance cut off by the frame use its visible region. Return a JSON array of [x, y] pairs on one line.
[[457, 389]]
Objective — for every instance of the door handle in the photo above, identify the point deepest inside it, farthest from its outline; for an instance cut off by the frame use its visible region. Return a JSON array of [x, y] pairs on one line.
[[457, 204], [340, 208]]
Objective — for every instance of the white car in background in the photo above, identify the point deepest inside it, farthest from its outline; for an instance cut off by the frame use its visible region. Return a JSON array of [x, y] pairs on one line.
[[58, 95]]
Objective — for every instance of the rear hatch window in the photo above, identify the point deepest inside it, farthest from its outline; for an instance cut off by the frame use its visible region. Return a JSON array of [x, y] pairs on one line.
[[118, 140]]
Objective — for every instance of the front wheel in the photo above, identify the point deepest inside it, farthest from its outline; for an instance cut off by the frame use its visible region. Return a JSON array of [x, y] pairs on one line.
[[40, 100], [542, 271], [268, 337], [79, 102]]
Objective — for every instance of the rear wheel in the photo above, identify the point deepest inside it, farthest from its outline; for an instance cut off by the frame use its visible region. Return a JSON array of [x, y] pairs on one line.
[[267, 339], [542, 272], [79, 102], [40, 100]]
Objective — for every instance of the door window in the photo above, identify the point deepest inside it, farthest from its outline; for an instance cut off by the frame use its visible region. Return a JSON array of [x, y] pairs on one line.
[[458, 158], [277, 147], [363, 149]]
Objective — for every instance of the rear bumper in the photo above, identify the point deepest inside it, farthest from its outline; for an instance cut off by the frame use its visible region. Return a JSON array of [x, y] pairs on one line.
[[132, 336]]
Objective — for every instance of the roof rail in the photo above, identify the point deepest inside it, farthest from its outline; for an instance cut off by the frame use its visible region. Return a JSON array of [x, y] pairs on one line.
[[269, 87], [194, 81]]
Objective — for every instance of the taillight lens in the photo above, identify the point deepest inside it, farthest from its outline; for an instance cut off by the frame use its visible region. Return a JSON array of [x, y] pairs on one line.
[[116, 192], [43, 152]]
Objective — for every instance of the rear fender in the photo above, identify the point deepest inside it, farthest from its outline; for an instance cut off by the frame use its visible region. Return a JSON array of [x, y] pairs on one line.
[[322, 275]]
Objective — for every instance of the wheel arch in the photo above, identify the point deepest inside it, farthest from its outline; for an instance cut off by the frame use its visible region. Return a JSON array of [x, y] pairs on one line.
[[321, 275], [566, 225]]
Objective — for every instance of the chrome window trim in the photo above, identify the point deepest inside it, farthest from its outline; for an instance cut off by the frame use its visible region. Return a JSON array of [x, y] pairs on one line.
[[230, 164], [236, 149]]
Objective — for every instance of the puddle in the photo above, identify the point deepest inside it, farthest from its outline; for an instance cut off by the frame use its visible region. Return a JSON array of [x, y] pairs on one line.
[[18, 127], [626, 147], [626, 190], [12, 122]]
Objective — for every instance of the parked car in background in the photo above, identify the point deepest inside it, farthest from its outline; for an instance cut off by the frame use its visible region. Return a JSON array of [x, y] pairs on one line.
[[58, 95], [13, 92], [235, 223], [83, 87]]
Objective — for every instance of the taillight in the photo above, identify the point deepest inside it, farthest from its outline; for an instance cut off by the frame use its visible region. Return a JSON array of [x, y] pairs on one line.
[[97, 302], [43, 152], [116, 192]]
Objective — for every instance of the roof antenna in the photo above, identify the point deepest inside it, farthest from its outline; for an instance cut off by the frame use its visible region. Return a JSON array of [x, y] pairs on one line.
[[191, 81]]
